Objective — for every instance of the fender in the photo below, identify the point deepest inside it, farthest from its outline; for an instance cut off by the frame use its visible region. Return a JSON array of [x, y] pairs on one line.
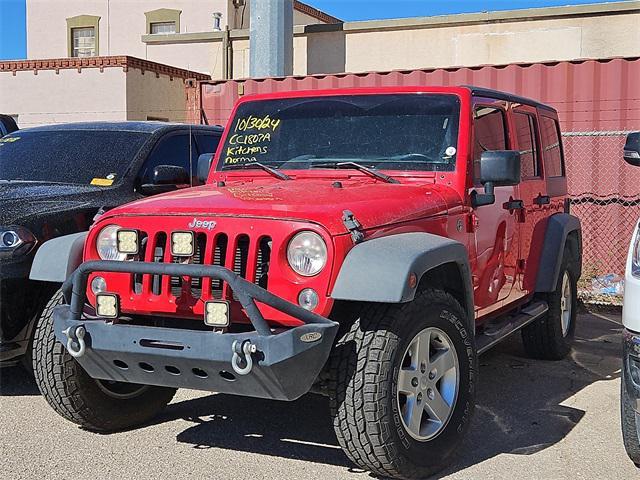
[[57, 259], [559, 226], [378, 270]]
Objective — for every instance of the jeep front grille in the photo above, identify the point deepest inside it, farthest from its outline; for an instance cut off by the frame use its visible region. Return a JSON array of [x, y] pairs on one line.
[[247, 256]]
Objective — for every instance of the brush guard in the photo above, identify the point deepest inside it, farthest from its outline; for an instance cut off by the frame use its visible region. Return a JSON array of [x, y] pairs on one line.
[[279, 365]]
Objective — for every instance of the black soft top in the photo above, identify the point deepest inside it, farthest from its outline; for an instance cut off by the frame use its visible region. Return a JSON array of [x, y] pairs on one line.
[[508, 97]]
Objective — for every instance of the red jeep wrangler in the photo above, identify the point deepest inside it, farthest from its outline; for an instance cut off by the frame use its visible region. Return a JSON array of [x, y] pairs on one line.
[[366, 243]]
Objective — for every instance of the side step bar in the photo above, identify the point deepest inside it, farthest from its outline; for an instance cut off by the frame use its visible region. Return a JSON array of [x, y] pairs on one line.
[[494, 334]]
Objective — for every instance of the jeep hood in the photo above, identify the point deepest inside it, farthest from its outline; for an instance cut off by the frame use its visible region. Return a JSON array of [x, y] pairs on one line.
[[319, 201]]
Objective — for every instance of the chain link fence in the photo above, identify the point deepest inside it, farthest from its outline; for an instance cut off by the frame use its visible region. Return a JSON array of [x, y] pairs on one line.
[[604, 192]]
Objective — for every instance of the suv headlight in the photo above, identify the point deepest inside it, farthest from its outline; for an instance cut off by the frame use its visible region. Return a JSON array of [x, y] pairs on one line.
[[16, 240], [307, 254], [107, 244], [635, 254]]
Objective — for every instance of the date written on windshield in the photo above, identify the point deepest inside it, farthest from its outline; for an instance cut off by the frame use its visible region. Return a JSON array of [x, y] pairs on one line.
[[244, 145], [257, 123]]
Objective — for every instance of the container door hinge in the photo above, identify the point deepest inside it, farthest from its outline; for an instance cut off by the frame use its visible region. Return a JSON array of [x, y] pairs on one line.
[[353, 225]]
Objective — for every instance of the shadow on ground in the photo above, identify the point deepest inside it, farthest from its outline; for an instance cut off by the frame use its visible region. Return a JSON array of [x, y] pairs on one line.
[[518, 410], [17, 382]]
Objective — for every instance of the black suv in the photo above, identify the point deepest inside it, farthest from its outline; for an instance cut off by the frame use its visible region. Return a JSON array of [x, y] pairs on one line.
[[53, 182]]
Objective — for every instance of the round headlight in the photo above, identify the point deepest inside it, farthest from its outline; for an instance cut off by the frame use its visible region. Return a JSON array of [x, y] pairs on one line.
[[107, 244], [307, 253]]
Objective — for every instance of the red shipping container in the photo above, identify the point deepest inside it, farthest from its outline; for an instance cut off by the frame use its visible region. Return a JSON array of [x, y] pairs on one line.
[[597, 100]]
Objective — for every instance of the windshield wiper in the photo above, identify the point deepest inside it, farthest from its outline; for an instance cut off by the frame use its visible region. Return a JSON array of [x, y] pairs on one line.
[[356, 166], [270, 170]]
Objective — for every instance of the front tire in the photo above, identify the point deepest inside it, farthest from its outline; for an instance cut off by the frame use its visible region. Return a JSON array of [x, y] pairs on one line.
[[93, 404], [402, 385]]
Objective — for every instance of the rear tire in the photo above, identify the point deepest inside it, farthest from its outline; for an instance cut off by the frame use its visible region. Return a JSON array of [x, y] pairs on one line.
[[93, 404], [551, 337], [376, 360], [630, 421]]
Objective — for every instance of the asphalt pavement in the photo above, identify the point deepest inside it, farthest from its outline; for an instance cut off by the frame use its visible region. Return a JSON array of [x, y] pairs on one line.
[[534, 420]]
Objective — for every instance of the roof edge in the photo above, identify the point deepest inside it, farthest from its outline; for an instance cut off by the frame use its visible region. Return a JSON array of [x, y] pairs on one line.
[[315, 13], [408, 71], [123, 61]]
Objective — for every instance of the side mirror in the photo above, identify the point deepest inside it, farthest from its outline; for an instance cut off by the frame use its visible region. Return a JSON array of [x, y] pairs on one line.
[[204, 166], [632, 149], [165, 178], [499, 168]]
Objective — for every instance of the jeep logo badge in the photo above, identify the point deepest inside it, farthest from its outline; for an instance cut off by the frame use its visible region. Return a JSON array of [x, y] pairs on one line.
[[206, 224], [310, 337]]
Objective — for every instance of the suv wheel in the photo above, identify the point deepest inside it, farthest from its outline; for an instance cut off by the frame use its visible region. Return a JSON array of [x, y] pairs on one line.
[[550, 337], [630, 423], [402, 385], [93, 404]]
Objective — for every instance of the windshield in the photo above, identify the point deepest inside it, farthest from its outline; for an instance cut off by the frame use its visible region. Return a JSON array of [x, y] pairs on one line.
[[394, 132], [68, 156]]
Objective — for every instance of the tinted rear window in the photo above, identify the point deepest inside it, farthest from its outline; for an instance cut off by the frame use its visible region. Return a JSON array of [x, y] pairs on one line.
[[68, 156], [552, 148]]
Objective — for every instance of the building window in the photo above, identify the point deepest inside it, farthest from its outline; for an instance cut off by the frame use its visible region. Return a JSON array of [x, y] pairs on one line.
[[83, 34], [84, 42], [163, 28], [163, 21]]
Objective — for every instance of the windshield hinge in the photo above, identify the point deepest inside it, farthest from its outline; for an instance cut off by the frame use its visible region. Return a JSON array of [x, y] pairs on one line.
[[353, 225], [99, 213]]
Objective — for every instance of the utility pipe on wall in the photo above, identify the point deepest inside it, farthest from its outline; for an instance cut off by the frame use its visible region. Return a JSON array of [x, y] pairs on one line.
[[271, 38]]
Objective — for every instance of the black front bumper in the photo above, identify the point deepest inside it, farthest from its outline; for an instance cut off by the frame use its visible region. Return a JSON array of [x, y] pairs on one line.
[[631, 366], [284, 365]]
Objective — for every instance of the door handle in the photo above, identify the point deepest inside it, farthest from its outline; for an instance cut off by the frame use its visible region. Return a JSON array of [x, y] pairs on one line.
[[512, 205], [542, 200]]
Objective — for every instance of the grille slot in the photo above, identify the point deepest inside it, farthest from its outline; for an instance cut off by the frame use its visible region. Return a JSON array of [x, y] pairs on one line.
[[219, 256], [158, 257], [262, 262], [137, 278], [197, 259], [240, 258]]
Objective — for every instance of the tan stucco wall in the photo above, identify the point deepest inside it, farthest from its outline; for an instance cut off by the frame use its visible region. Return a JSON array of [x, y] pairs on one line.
[[495, 44], [69, 96], [91, 95], [159, 97], [202, 57], [551, 34]]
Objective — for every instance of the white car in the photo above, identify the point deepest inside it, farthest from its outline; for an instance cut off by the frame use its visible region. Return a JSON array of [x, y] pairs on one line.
[[630, 389]]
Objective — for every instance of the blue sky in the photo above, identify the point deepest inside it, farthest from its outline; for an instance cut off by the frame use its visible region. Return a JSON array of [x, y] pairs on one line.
[[13, 35], [13, 43], [350, 10]]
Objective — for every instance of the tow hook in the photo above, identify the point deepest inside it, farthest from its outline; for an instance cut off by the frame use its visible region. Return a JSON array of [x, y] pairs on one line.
[[242, 354], [75, 336]]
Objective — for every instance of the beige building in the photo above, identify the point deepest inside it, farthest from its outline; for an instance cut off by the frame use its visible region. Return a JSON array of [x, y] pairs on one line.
[[495, 38], [38, 92], [183, 33], [80, 28]]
